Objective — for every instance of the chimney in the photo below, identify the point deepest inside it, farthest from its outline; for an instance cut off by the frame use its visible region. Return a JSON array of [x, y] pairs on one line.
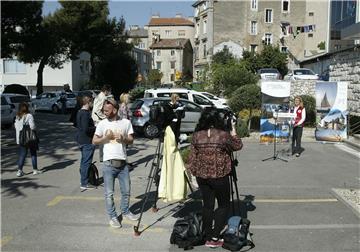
[[134, 27], [178, 15], [155, 15]]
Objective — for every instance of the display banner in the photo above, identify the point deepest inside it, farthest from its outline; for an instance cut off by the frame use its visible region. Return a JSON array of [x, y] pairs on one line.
[[275, 102], [331, 111]]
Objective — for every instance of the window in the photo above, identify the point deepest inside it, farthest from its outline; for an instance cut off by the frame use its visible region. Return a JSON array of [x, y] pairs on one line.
[[254, 6], [14, 66], [268, 39], [201, 100], [167, 33], [284, 49], [311, 14], [172, 64], [181, 33], [172, 52], [158, 52], [87, 66], [158, 65], [204, 26], [268, 16], [204, 51], [197, 29], [310, 35], [183, 96], [196, 52], [141, 45], [172, 77], [82, 66], [285, 5], [253, 27], [145, 58], [253, 48]]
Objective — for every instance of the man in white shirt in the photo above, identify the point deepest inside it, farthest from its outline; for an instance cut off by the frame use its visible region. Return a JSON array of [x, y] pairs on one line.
[[97, 113], [115, 134]]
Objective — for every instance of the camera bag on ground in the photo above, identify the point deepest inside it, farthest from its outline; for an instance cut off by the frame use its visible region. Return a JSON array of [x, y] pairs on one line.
[[237, 234], [93, 175], [187, 232]]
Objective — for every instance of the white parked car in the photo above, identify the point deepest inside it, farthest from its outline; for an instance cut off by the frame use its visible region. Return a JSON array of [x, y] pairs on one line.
[[269, 74], [215, 99], [14, 101], [8, 113], [301, 74], [50, 101]]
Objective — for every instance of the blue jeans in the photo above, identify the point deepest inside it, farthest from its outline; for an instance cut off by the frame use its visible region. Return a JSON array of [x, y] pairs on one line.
[[87, 153], [110, 174], [22, 155]]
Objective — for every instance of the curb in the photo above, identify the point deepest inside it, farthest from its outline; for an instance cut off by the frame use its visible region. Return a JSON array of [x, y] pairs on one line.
[[350, 197]]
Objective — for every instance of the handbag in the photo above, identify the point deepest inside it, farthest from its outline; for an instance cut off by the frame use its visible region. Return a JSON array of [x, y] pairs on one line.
[[27, 136]]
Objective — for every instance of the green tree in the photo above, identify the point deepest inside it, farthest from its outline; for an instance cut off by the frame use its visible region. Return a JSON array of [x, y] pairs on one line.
[[223, 57], [154, 78], [246, 97], [19, 19]]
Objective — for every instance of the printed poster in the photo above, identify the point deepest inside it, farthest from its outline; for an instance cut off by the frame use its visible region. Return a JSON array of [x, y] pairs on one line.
[[275, 101], [331, 111]]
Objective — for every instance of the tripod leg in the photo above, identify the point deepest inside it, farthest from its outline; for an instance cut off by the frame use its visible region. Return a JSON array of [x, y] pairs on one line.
[[188, 182], [152, 174]]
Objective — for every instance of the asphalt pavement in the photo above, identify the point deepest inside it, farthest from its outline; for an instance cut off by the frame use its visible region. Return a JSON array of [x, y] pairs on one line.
[[291, 204]]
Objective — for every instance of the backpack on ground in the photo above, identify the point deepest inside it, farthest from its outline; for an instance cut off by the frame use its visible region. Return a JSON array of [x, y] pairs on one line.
[[93, 175], [187, 232], [237, 235]]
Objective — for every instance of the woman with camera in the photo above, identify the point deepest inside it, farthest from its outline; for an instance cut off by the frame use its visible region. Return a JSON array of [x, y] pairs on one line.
[[210, 162]]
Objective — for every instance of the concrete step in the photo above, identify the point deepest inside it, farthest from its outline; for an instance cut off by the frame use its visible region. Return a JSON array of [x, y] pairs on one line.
[[353, 142]]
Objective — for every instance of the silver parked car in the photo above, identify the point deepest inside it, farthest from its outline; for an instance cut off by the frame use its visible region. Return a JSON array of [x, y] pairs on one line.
[[301, 74], [51, 101], [140, 116], [14, 100], [7, 113], [269, 74]]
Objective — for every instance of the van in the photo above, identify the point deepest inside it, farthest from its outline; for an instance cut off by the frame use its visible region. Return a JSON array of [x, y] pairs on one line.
[[184, 93]]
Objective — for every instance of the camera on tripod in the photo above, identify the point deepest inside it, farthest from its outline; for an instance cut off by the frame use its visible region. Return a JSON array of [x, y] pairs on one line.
[[161, 115], [228, 119]]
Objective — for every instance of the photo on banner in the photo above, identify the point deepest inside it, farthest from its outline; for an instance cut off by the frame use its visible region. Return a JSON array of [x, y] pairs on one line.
[[275, 100], [331, 111]]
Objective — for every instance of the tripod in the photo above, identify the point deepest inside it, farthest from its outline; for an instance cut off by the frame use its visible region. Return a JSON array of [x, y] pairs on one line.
[[233, 183], [276, 154], [154, 176]]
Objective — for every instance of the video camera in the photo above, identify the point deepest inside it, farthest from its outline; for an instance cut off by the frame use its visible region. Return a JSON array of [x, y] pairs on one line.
[[161, 114], [228, 118]]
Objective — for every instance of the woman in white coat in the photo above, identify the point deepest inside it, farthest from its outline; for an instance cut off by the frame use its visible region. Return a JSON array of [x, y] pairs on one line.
[[24, 117]]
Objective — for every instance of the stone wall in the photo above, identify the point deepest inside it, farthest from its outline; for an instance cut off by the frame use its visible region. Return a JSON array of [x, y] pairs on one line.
[[345, 66], [302, 87]]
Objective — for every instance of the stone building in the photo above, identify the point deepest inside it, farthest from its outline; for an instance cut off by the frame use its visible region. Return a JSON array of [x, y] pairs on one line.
[[297, 27], [173, 58], [138, 36]]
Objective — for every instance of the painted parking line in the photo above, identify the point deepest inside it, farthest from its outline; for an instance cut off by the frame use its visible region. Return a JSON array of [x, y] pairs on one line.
[[5, 240], [348, 150], [60, 198]]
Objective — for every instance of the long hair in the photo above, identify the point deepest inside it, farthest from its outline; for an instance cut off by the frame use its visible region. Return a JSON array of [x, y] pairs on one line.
[[174, 98], [210, 118], [301, 105], [23, 110], [124, 98]]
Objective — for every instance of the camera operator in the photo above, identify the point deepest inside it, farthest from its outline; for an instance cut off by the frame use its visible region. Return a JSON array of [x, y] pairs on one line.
[[210, 162], [174, 112]]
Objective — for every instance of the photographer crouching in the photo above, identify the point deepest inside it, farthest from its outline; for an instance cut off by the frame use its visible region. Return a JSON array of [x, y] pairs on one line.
[[210, 162]]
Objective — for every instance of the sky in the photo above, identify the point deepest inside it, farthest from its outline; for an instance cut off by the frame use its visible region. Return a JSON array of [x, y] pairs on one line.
[[138, 12]]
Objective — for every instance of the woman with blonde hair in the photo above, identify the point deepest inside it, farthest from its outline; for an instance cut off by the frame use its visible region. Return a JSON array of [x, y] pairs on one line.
[[124, 111], [300, 116], [24, 117]]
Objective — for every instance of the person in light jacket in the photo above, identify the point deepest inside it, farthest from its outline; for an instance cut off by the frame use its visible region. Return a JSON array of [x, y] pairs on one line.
[[24, 117]]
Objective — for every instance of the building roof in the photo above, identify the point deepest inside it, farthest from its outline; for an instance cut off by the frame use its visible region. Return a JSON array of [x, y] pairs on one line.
[[170, 44], [137, 33], [170, 22], [197, 3]]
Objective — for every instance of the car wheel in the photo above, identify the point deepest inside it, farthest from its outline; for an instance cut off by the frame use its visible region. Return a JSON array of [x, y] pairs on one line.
[[151, 130], [55, 109]]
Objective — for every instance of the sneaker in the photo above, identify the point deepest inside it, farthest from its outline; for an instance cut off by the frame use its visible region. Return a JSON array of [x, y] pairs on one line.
[[19, 173], [114, 223], [36, 172], [88, 187], [297, 154], [131, 216], [214, 243]]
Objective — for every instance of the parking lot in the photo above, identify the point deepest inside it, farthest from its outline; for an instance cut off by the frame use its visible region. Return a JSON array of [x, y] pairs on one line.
[[291, 205]]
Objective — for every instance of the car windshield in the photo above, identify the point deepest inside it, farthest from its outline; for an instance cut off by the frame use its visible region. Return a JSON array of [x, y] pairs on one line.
[[19, 99], [137, 104], [303, 72], [210, 96], [148, 95], [268, 70]]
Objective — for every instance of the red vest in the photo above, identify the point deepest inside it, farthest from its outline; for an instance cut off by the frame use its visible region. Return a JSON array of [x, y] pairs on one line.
[[299, 116]]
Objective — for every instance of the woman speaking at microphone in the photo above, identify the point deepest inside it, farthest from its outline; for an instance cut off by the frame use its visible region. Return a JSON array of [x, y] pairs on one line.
[[300, 116]]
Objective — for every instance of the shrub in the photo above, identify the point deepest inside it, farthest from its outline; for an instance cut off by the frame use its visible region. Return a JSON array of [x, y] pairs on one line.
[[310, 107], [242, 128], [185, 154], [137, 93]]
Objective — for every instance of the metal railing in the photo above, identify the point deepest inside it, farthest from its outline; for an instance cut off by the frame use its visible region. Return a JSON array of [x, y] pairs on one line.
[[354, 128]]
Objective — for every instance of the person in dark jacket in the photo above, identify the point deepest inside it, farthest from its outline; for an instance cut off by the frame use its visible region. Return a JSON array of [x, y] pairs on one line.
[[210, 162], [85, 133], [174, 112]]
